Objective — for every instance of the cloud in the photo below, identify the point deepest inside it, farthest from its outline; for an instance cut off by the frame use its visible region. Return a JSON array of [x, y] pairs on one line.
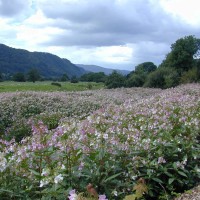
[[11, 8], [111, 33], [100, 23]]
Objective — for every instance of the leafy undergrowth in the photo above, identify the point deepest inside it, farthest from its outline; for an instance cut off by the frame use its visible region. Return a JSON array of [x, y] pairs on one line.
[[135, 146]]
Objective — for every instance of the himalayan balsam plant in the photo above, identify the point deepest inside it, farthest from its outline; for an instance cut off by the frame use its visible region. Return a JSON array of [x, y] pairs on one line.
[[138, 143]]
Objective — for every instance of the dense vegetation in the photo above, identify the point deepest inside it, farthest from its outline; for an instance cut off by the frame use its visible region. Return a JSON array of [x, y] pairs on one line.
[[181, 65], [128, 143]]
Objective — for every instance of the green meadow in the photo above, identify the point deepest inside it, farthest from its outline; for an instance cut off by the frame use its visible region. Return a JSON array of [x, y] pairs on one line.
[[11, 86]]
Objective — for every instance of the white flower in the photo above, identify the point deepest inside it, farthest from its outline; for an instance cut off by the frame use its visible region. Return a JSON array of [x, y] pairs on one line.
[[58, 179], [105, 136], [115, 193], [3, 162], [45, 172], [43, 182], [63, 167]]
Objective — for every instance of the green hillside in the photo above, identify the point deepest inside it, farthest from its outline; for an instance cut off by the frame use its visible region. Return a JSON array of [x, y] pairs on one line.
[[49, 66]]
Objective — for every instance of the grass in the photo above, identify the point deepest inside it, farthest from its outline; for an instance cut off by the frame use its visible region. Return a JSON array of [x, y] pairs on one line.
[[10, 86]]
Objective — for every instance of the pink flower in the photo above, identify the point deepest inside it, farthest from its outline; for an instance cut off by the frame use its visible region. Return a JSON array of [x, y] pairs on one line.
[[102, 197], [73, 195]]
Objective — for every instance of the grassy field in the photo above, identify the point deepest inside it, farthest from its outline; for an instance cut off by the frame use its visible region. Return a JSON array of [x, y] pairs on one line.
[[10, 86]]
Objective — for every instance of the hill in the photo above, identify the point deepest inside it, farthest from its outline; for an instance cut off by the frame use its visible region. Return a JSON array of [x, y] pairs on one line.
[[49, 66], [107, 71]]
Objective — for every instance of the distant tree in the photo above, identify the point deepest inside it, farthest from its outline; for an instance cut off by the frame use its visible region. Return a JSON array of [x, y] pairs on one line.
[[183, 54], [197, 65], [162, 78], [190, 76], [33, 75], [145, 67], [74, 79], [93, 77], [137, 78], [19, 77], [64, 78], [1, 77], [115, 80]]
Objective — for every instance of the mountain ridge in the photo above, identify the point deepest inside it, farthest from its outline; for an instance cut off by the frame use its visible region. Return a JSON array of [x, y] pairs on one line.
[[96, 68], [14, 60]]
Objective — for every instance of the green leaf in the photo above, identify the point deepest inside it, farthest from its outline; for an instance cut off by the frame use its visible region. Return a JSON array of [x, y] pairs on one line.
[[182, 173], [112, 177], [130, 197], [168, 174], [34, 172], [171, 180], [157, 180]]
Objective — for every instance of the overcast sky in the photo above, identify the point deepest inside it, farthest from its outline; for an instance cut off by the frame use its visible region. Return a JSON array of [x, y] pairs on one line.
[[110, 33]]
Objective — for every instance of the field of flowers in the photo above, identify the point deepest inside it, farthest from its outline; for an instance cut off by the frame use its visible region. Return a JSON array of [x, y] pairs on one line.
[[104, 144]]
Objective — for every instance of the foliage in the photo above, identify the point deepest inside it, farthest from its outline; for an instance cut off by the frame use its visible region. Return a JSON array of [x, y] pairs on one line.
[[141, 139], [140, 189], [182, 54], [64, 78], [94, 77], [115, 80], [74, 79], [136, 80], [145, 67], [1, 77], [56, 84], [162, 78], [33, 75], [19, 77], [191, 76]]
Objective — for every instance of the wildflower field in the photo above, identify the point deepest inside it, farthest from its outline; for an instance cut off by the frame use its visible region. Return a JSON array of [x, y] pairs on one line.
[[128, 143]]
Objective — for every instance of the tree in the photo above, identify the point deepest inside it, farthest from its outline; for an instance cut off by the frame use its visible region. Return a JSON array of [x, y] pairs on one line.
[[19, 77], [115, 80], [1, 77], [137, 78], [64, 78], [183, 54], [93, 77], [145, 67], [33, 75], [74, 79], [162, 78]]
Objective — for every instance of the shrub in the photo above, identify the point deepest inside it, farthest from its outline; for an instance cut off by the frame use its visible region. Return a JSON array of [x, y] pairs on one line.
[[190, 76], [115, 80], [162, 78], [136, 80], [56, 84]]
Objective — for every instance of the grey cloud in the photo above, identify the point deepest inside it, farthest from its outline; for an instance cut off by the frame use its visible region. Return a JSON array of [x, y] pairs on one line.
[[105, 23], [10, 8]]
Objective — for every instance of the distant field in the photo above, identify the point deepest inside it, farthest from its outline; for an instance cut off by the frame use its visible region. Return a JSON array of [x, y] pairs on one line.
[[10, 86]]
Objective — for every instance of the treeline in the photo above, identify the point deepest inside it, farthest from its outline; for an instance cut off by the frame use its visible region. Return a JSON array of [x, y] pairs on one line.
[[181, 65], [34, 75]]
